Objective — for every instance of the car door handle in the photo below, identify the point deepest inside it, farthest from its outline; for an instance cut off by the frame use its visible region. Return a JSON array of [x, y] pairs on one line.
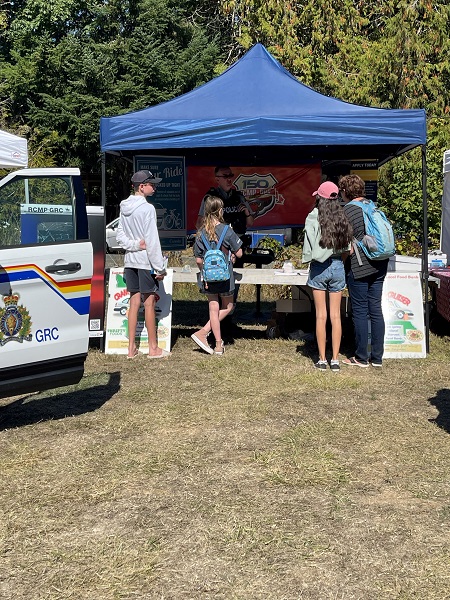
[[72, 267]]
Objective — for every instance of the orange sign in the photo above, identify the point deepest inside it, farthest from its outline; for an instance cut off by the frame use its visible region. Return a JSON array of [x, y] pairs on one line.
[[281, 196]]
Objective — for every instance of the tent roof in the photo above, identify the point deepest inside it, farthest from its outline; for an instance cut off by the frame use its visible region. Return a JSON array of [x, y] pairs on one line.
[[13, 151], [258, 103]]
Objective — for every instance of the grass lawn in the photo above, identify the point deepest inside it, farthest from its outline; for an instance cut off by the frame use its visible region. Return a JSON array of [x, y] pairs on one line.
[[243, 477]]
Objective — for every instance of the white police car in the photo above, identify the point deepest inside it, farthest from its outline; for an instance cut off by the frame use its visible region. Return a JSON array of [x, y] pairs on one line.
[[46, 264]]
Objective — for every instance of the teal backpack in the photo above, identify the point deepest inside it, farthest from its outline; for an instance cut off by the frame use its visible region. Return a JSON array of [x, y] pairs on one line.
[[378, 243], [215, 263]]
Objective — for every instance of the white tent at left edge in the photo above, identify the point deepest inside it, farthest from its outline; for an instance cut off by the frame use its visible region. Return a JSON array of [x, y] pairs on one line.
[[13, 151]]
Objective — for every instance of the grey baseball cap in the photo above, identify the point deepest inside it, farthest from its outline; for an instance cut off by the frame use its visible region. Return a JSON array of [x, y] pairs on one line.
[[145, 177]]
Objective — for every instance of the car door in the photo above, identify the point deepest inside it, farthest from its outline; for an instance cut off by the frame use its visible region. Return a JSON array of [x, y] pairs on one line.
[[46, 264]]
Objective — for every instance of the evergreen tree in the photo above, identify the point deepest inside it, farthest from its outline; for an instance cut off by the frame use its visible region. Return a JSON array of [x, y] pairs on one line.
[[390, 54], [66, 64]]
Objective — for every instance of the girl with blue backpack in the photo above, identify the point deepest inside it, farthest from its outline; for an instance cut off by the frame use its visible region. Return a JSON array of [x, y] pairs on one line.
[[215, 249]]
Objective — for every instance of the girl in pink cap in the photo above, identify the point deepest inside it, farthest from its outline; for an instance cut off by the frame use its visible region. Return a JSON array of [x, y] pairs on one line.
[[327, 241]]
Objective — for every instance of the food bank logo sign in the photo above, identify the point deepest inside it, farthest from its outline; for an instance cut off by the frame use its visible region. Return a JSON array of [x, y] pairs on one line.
[[259, 191], [403, 315]]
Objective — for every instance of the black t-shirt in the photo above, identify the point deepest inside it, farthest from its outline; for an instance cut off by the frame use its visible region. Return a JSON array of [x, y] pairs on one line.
[[231, 213]]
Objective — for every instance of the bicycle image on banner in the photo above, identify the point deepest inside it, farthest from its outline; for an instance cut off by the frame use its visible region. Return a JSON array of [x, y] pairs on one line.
[[168, 219]]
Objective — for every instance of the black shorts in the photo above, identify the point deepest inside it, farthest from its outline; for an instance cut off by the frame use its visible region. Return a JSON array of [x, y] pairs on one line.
[[140, 280], [216, 288]]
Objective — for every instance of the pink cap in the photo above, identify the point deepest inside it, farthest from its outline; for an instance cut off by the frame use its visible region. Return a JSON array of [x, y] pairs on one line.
[[327, 190]]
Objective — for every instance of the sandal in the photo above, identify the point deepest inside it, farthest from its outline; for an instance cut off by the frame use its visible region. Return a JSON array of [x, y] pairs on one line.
[[353, 362], [164, 354]]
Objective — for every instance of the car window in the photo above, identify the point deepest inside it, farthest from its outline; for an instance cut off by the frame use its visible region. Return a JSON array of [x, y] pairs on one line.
[[38, 210]]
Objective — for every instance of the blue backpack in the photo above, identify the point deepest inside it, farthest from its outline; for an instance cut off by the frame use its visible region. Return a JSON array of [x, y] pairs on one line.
[[378, 242], [215, 263]]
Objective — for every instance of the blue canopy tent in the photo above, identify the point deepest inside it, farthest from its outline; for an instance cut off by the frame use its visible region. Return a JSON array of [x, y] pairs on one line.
[[257, 112], [258, 104]]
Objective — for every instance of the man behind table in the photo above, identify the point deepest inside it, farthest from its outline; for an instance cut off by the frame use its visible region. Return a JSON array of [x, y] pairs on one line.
[[236, 209]]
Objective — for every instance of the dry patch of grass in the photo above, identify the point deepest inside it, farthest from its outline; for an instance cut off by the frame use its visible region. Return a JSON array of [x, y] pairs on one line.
[[244, 477]]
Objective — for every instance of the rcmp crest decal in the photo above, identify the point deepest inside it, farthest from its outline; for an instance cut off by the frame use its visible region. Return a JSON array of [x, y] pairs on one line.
[[15, 321]]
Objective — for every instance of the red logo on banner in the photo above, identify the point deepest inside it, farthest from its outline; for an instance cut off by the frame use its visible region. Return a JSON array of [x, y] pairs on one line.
[[260, 192]]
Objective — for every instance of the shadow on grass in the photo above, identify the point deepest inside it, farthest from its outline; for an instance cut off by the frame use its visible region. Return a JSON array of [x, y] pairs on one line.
[[438, 325], [41, 407], [442, 402], [308, 346], [190, 315]]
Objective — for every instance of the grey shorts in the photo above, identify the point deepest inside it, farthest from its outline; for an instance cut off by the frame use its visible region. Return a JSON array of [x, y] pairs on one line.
[[328, 276], [140, 280]]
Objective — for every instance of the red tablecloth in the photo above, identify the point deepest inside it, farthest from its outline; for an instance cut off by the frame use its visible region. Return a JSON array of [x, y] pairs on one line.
[[443, 292]]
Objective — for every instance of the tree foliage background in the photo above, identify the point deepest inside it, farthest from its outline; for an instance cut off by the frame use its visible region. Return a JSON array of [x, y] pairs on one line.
[[66, 63]]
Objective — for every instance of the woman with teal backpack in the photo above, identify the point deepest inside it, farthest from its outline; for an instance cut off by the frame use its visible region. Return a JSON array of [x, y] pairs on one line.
[[365, 278], [219, 293]]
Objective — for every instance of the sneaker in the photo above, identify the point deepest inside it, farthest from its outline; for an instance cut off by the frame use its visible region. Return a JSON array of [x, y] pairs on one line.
[[201, 339], [376, 364], [321, 364], [334, 366], [354, 363], [219, 349]]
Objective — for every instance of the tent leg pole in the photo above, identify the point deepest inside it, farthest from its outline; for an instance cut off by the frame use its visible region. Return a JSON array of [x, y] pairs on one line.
[[258, 300], [103, 159], [103, 191], [425, 274]]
